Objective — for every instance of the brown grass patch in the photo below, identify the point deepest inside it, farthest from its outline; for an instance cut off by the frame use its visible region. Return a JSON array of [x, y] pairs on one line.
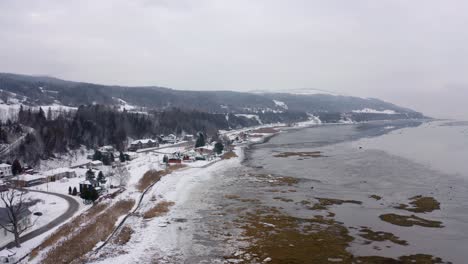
[[68, 228], [323, 203], [266, 130], [311, 154], [286, 200], [369, 234], [417, 258], [420, 204], [287, 239], [376, 197], [85, 237], [287, 180], [123, 236], [159, 209], [153, 176], [403, 220], [269, 233], [231, 196], [229, 155]]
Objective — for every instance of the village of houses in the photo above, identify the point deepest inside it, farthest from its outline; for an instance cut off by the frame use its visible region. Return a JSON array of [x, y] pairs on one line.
[[105, 174]]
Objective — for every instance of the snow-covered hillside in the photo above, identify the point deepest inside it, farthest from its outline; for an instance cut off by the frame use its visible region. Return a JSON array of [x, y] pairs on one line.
[[373, 111]]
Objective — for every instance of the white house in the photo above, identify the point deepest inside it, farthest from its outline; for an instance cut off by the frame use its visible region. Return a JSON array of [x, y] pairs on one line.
[[169, 139], [96, 164], [59, 173], [5, 170]]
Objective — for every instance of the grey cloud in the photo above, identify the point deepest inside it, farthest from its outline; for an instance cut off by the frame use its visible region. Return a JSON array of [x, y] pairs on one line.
[[407, 52]]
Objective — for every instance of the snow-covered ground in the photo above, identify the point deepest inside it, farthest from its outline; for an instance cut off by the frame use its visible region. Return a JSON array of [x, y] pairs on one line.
[[157, 236], [250, 116], [373, 111], [72, 158], [280, 104], [10, 111]]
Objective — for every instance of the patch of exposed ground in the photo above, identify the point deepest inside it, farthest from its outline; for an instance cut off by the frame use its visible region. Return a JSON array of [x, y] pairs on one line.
[[411, 259], [376, 197], [305, 154], [83, 238], [287, 239], [420, 204], [153, 176], [123, 236], [68, 228], [323, 203], [276, 180], [229, 155], [157, 210], [286, 200], [403, 220], [265, 130], [380, 236], [274, 237]]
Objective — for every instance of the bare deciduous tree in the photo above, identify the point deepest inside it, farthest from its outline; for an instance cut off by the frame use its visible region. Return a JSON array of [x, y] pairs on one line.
[[16, 205], [121, 174]]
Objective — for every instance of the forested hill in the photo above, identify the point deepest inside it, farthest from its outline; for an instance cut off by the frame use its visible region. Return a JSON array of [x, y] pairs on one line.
[[41, 117], [32, 90]]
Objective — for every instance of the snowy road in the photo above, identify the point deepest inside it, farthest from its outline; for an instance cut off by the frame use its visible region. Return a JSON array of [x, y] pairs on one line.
[[73, 207]]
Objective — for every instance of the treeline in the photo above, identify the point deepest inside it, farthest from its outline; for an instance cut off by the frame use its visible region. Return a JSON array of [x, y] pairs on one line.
[[98, 125]]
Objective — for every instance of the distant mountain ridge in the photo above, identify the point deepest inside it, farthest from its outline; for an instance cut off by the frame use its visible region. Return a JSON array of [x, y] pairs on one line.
[[42, 90]]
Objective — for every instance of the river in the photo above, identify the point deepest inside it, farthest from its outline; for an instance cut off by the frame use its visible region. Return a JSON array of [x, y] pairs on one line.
[[362, 193]]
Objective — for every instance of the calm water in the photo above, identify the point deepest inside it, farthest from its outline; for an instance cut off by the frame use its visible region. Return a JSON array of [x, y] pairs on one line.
[[349, 170]]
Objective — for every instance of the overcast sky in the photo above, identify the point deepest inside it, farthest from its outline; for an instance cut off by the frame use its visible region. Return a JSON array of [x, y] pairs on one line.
[[413, 53]]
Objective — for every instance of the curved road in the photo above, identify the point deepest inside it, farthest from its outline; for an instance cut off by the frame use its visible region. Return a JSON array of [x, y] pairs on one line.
[[72, 209]]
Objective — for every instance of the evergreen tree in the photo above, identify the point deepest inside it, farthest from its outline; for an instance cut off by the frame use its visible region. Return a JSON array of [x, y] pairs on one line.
[[75, 192], [121, 157], [49, 114], [90, 174], [69, 190], [165, 159], [93, 194], [97, 155], [101, 178], [106, 160], [84, 193], [200, 140], [218, 147], [16, 167], [111, 157]]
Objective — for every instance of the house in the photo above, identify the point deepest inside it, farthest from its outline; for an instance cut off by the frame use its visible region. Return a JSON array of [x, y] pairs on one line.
[[58, 174], [130, 155], [143, 143], [204, 151], [173, 160], [189, 137], [5, 170], [107, 152], [169, 139], [26, 180], [96, 164], [91, 184], [106, 149], [24, 220]]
